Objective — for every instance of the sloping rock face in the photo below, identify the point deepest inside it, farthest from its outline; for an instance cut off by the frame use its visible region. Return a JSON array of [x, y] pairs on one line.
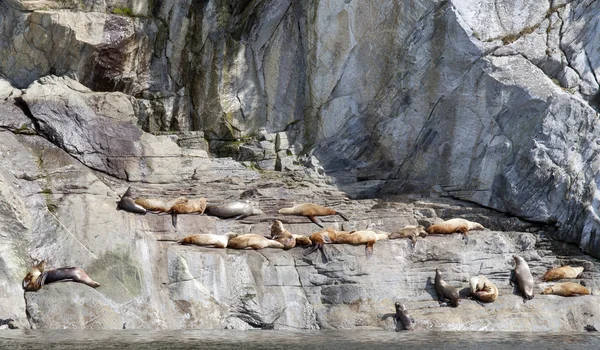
[[494, 103]]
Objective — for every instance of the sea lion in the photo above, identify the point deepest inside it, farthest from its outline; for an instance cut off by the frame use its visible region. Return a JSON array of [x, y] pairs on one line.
[[411, 232], [281, 235], [252, 241], [403, 318], [444, 290], [235, 210], [367, 237], [38, 276], [455, 225], [482, 289], [311, 211], [302, 240], [318, 239], [126, 203], [523, 277], [208, 239], [159, 205], [562, 272], [192, 206], [567, 289]]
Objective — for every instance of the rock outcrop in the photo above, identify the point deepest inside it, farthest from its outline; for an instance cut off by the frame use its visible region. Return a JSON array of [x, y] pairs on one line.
[[381, 109]]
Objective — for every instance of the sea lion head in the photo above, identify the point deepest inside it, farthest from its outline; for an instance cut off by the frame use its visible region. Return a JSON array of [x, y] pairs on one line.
[[518, 260], [547, 290], [276, 228], [400, 306]]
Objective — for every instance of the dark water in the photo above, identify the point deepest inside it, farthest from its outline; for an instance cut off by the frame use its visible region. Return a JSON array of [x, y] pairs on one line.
[[313, 340]]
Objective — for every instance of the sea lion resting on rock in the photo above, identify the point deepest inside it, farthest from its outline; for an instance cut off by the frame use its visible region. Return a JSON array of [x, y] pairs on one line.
[[191, 206], [482, 289], [159, 205], [567, 289], [208, 239], [411, 232], [367, 237], [311, 211], [455, 225], [252, 241], [403, 318], [281, 235], [235, 210], [37, 277], [562, 272], [523, 277], [444, 290], [127, 204], [302, 240]]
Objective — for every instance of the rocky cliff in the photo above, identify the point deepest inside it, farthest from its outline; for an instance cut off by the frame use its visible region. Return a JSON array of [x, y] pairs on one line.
[[392, 112]]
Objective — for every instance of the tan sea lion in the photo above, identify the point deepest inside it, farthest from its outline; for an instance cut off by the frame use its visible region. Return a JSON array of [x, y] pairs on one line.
[[411, 232], [252, 241], [208, 239], [235, 210], [311, 211], [567, 289], [455, 225], [302, 240], [523, 277], [482, 289], [159, 205], [38, 276], [127, 204], [281, 235], [366, 237], [318, 239], [403, 318], [192, 206], [558, 273], [444, 290]]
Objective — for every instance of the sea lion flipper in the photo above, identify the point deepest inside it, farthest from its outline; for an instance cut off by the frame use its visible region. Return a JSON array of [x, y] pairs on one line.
[[369, 250], [241, 216], [466, 237], [315, 220], [174, 219], [310, 249], [342, 215]]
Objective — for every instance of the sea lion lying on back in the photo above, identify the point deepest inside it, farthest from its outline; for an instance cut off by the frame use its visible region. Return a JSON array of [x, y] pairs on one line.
[[208, 239], [567, 289], [311, 211], [444, 290], [38, 276], [252, 241], [281, 235], [482, 289], [235, 210], [558, 273], [411, 232], [455, 225]]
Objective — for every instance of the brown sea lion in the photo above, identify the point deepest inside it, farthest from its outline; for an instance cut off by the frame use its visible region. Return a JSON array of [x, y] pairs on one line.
[[38, 276], [252, 241], [192, 206], [208, 239], [311, 211], [302, 240], [403, 318], [159, 205], [482, 289], [523, 277], [455, 225], [281, 235], [318, 239], [558, 273], [567, 289], [444, 290], [127, 204], [235, 210], [411, 232]]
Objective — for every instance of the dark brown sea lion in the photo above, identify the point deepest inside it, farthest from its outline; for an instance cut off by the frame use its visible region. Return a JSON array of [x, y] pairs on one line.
[[444, 290], [208, 239], [482, 289], [567, 289], [403, 318], [281, 235], [411, 232], [37, 277], [311, 211], [235, 210], [558, 273], [455, 225], [252, 241], [523, 277], [127, 204]]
